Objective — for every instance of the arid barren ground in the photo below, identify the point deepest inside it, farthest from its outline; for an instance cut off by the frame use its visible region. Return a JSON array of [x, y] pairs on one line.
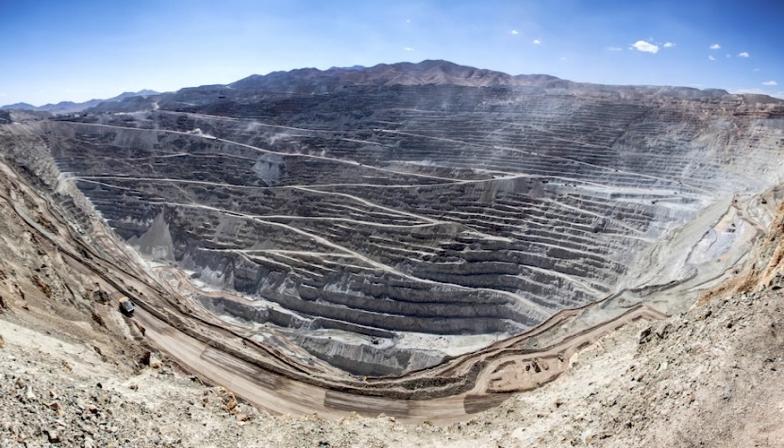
[[418, 241]]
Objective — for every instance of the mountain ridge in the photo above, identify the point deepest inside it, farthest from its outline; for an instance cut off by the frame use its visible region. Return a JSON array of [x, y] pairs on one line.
[[429, 72], [73, 106], [261, 89]]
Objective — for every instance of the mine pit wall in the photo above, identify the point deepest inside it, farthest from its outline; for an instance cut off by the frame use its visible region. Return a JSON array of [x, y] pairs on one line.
[[60, 219], [22, 147], [360, 359], [271, 282]]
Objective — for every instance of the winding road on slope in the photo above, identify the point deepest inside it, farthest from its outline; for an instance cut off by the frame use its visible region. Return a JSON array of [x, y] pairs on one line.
[[279, 394]]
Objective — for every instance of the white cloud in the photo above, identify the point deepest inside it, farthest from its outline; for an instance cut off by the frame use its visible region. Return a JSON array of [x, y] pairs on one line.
[[614, 49], [645, 47], [715, 47], [711, 58], [770, 83], [668, 44], [408, 20], [744, 54], [537, 42], [514, 32], [408, 49]]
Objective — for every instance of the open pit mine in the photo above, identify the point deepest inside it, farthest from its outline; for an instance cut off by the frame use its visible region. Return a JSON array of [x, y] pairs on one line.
[[418, 240]]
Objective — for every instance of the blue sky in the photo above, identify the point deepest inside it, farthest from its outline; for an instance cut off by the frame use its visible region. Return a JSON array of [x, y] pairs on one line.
[[77, 50]]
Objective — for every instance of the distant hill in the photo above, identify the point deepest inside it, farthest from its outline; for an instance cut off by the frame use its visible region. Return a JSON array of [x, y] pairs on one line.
[[258, 89], [312, 80], [19, 106], [66, 107]]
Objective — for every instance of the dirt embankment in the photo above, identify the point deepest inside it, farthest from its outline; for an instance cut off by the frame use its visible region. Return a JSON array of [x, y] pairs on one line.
[[708, 378]]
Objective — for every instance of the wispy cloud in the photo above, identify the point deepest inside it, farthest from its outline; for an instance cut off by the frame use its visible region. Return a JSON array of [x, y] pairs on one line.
[[668, 44], [645, 47], [537, 42], [744, 54], [770, 83], [715, 47], [711, 58], [614, 49], [514, 32], [408, 49]]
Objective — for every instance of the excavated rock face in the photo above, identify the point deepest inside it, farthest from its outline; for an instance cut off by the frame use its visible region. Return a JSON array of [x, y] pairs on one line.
[[384, 226]]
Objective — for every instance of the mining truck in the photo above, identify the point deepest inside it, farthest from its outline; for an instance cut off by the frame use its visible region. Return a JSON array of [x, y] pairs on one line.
[[127, 307]]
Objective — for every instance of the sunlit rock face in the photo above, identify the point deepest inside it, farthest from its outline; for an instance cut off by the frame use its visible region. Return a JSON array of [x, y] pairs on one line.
[[382, 225]]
